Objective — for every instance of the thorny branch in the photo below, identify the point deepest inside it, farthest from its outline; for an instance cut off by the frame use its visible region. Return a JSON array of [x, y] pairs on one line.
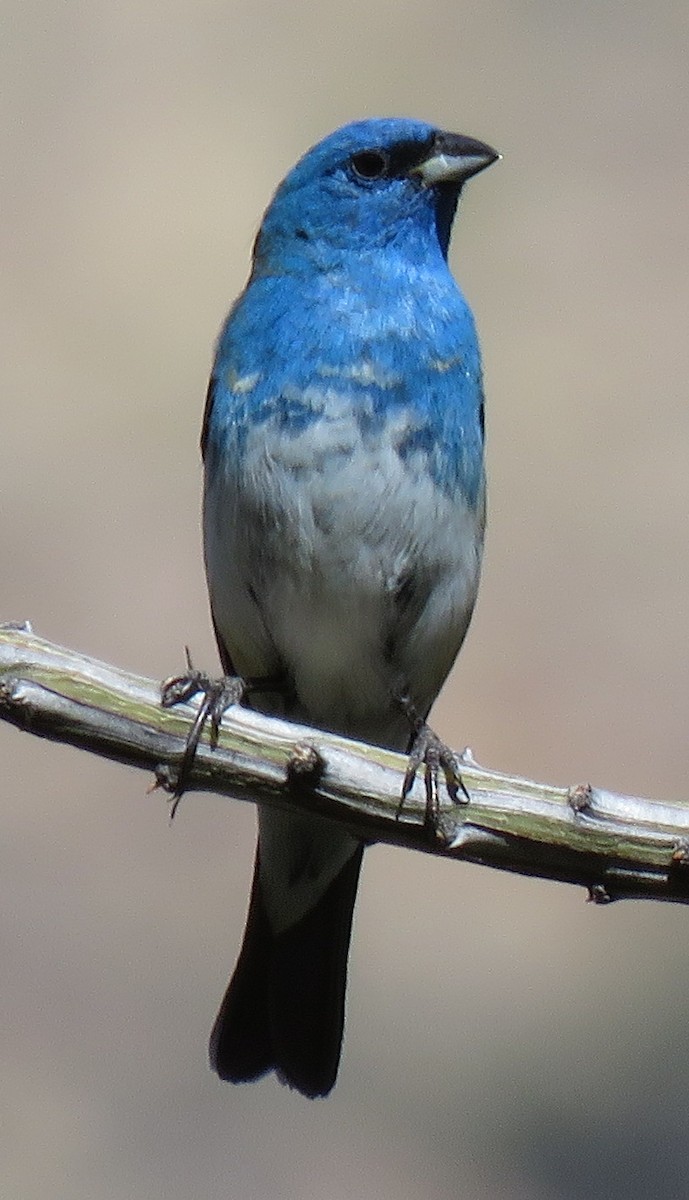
[[615, 846]]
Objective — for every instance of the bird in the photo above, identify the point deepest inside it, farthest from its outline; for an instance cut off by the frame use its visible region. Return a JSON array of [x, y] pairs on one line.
[[343, 518]]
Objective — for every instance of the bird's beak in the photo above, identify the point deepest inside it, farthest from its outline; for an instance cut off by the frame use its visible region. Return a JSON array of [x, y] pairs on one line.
[[454, 158]]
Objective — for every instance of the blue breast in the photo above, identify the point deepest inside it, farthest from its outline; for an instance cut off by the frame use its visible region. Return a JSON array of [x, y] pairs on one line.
[[401, 354]]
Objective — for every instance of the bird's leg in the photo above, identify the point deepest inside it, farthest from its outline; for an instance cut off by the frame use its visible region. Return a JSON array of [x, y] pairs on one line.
[[427, 749], [218, 695]]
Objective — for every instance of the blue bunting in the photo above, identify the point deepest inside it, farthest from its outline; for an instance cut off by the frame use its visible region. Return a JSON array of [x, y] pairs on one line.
[[344, 513]]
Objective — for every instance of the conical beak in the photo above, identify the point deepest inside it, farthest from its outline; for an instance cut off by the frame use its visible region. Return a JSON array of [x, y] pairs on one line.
[[454, 158]]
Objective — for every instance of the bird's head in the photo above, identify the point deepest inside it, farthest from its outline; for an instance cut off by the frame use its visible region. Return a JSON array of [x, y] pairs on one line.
[[364, 187]]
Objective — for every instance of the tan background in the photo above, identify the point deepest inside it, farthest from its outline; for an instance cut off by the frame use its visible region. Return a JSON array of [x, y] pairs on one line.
[[505, 1040]]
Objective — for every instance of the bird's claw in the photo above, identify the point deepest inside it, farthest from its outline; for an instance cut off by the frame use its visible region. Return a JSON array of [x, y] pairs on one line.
[[218, 696], [429, 751]]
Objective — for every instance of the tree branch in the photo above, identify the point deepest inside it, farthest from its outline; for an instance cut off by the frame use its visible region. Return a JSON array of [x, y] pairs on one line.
[[616, 846]]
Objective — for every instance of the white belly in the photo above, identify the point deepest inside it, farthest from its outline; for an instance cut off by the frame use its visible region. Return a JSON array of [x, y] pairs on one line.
[[347, 567]]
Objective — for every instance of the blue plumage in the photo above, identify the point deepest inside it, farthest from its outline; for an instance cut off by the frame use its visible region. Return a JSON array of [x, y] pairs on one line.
[[343, 522]]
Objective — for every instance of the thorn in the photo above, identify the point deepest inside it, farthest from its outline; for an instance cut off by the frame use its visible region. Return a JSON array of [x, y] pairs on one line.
[[580, 797], [305, 765], [598, 894]]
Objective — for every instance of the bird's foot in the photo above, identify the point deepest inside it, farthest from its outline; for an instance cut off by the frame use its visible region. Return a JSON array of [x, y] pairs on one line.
[[218, 695], [428, 750]]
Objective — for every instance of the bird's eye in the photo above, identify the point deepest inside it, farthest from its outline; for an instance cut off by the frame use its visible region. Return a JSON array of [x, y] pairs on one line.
[[370, 164]]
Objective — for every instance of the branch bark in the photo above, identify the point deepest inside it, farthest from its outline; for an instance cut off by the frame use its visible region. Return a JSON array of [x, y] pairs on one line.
[[615, 846]]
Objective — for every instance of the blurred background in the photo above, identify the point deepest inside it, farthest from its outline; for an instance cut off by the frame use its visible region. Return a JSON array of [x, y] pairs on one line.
[[505, 1040]]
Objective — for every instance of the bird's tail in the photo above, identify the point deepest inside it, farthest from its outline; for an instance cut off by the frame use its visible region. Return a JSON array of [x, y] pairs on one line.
[[284, 1007]]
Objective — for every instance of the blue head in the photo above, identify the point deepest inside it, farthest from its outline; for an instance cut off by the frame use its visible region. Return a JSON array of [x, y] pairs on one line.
[[366, 185], [351, 305]]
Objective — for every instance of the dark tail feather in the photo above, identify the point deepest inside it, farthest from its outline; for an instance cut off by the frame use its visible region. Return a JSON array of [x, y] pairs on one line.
[[284, 1007]]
